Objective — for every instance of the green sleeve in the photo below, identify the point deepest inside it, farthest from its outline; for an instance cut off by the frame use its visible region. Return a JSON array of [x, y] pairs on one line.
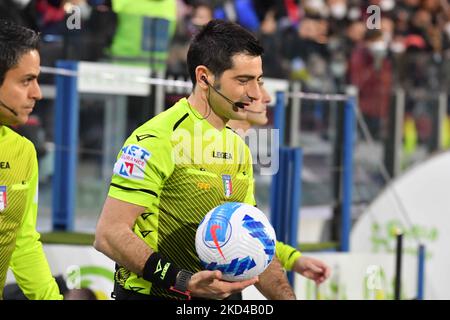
[[28, 261], [287, 255], [140, 171]]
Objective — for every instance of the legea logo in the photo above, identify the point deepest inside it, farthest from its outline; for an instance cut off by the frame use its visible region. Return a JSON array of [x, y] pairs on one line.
[[205, 145]]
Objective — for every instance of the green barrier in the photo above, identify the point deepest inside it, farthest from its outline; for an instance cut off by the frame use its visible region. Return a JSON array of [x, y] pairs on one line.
[[322, 246], [73, 238], [87, 239]]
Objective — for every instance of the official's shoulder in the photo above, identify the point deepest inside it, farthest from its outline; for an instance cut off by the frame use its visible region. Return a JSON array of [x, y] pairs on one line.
[[231, 132], [16, 140], [162, 125], [231, 129]]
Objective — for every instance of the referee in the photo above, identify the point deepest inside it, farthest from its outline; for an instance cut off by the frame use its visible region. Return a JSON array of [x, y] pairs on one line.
[[290, 257], [179, 165], [20, 247]]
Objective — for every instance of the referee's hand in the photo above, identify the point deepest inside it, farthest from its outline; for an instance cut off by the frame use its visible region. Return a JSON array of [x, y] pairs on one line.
[[209, 284], [312, 268]]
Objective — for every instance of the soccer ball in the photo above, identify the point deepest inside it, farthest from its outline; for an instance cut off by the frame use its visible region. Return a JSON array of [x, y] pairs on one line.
[[237, 239]]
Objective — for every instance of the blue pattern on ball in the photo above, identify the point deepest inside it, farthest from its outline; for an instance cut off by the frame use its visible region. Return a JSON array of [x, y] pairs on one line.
[[258, 231], [236, 267]]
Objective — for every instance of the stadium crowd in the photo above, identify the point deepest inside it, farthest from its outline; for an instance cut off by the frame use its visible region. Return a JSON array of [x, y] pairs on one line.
[[325, 44]]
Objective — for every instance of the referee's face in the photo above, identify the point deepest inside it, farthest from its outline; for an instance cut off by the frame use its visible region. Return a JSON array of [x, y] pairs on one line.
[[20, 90], [257, 110], [241, 83]]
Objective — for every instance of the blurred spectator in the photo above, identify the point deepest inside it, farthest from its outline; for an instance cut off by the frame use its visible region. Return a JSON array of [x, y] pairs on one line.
[[409, 135], [422, 25], [100, 29], [446, 133], [308, 40], [323, 43], [424, 122], [97, 26], [337, 12], [202, 13], [195, 17], [144, 30], [21, 12], [387, 28], [246, 15], [74, 30], [275, 65], [239, 11], [338, 9], [51, 16], [355, 33], [262, 7], [371, 72]]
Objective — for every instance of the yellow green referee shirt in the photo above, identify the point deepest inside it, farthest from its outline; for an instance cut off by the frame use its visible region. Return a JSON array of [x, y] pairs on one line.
[[20, 247], [179, 167]]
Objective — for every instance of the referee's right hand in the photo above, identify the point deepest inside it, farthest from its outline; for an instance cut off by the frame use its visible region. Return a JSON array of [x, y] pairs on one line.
[[209, 284]]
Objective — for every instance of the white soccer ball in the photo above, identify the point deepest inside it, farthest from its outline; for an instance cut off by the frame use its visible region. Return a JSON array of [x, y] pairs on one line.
[[237, 239]]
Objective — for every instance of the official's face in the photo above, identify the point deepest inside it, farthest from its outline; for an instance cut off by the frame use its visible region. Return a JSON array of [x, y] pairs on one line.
[[257, 111], [240, 83], [20, 90]]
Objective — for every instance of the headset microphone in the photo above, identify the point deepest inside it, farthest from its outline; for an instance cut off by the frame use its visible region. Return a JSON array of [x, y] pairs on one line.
[[238, 104], [10, 109]]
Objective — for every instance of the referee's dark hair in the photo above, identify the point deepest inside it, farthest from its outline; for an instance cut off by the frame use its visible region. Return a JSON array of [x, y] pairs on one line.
[[15, 41], [215, 45]]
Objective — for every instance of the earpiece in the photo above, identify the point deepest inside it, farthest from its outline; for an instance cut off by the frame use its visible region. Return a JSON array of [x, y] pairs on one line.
[[237, 104], [10, 109]]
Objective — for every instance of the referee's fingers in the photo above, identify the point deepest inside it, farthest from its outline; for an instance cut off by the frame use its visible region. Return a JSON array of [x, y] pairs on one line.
[[327, 272], [207, 277], [241, 285], [315, 268]]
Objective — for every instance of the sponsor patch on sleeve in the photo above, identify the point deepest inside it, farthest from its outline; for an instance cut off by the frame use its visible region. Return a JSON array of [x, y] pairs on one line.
[[132, 162]]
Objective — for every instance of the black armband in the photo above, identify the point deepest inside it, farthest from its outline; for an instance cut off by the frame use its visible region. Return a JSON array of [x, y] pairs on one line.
[[166, 275], [160, 272]]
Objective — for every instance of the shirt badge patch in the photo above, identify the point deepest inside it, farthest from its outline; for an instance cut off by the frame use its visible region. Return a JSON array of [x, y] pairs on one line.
[[132, 162], [227, 185], [3, 198], [203, 186]]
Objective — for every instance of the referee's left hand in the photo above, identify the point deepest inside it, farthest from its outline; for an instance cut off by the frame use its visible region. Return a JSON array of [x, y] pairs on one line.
[[313, 269]]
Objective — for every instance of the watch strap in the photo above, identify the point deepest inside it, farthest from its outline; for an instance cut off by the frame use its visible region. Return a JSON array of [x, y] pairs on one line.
[[181, 283]]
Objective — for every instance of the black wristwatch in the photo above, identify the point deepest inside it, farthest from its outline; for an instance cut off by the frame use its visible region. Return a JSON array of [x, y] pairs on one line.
[[181, 283]]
